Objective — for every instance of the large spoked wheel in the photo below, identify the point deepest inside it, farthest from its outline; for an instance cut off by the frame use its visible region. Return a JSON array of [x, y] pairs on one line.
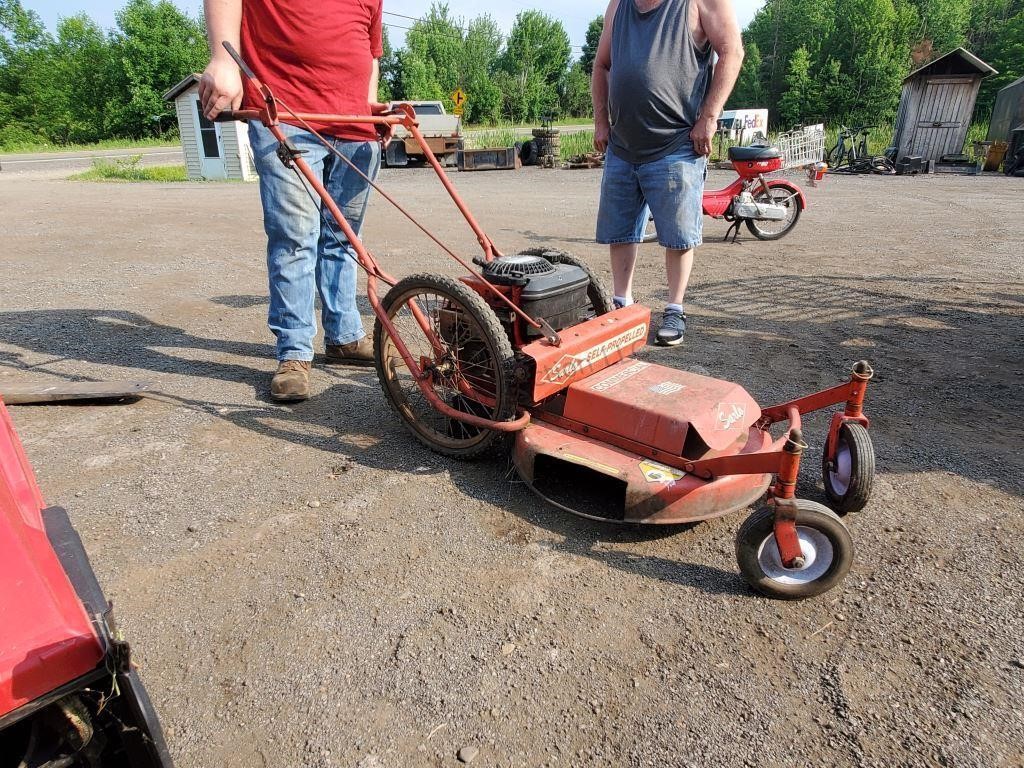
[[826, 545], [850, 475], [600, 297], [466, 353], [773, 230]]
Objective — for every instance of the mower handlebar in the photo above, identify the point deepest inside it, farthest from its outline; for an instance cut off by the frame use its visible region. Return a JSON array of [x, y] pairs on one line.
[[230, 115]]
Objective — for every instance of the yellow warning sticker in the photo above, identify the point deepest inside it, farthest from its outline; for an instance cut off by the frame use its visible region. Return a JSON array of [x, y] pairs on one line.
[[659, 473]]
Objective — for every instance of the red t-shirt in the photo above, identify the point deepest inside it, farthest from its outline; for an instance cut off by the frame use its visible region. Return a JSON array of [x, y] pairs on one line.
[[315, 55]]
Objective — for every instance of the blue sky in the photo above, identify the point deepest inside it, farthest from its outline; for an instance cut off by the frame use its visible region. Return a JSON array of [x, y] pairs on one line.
[[573, 13]]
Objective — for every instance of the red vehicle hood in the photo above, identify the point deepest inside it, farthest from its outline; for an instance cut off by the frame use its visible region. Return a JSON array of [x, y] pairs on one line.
[[46, 638]]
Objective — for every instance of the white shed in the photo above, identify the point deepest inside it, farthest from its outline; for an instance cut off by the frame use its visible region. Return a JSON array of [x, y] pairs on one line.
[[212, 150]]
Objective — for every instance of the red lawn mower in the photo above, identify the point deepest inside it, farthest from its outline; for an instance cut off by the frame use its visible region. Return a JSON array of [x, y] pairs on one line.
[[69, 696], [529, 349]]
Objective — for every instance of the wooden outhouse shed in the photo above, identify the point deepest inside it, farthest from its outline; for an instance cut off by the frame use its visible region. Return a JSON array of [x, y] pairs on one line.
[[212, 150], [937, 105]]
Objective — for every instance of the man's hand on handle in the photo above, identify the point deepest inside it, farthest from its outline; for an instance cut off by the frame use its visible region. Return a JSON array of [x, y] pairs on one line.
[[702, 133], [220, 87], [386, 132]]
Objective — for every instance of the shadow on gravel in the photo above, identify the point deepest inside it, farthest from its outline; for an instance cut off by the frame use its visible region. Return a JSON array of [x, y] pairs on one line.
[[537, 237], [349, 421], [241, 301], [589, 538], [129, 340], [947, 355]]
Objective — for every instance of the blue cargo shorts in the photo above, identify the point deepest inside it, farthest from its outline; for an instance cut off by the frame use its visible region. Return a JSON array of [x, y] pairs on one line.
[[671, 188]]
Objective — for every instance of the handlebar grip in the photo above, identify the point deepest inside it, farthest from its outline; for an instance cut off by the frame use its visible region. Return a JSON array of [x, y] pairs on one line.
[[226, 116]]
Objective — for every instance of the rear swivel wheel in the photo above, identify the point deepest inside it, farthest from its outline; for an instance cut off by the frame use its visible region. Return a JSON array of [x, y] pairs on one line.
[[826, 545], [460, 345], [850, 475]]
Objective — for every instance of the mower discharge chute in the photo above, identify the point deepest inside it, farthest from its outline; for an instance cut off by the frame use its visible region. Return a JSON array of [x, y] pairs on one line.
[[69, 695], [530, 345]]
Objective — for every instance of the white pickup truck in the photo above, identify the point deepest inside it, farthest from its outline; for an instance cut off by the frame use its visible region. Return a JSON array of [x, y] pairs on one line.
[[442, 131]]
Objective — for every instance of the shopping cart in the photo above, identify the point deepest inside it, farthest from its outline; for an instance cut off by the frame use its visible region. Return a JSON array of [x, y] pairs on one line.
[[802, 146]]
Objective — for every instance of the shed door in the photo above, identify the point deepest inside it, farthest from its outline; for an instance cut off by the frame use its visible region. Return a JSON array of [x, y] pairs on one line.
[[211, 145], [946, 107]]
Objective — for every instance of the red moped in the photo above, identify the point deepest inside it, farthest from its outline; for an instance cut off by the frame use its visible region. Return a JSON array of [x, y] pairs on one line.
[[769, 207]]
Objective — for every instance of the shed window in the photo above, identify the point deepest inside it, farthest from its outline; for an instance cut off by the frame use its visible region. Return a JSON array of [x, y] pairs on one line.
[[208, 133]]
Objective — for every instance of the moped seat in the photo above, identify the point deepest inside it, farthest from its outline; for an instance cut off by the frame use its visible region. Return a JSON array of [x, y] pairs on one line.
[[754, 152]]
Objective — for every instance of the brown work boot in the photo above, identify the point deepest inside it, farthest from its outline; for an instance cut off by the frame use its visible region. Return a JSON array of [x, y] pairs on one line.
[[357, 353], [291, 382]]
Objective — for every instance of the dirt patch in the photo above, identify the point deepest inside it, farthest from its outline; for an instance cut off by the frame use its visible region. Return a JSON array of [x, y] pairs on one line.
[[308, 586]]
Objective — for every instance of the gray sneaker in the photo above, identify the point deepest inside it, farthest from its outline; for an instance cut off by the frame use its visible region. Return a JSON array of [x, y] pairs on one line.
[[673, 326]]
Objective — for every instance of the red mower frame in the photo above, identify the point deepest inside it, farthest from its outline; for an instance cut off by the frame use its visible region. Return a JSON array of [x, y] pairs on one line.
[[780, 457]]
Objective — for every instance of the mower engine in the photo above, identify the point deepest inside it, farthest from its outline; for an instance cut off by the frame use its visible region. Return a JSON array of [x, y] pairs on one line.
[[542, 288]]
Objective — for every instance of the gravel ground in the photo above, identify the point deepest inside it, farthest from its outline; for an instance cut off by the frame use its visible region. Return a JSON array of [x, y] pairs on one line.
[[309, 586]]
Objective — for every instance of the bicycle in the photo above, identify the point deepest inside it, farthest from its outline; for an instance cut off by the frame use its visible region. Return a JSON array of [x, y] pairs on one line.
[[855, 156]]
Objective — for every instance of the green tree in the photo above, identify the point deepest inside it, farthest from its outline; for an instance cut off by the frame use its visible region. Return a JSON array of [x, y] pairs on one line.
[[437, 42], [29, 102], [943, 23], [799, 104], [481, 47], [749, 91], [594, 30], [535, 57], [83, 65], [388, 82], [155, 46], [574, 92], [996, 35]]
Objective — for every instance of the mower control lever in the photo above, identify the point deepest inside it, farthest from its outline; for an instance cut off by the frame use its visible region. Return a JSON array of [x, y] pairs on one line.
[[239, 60]]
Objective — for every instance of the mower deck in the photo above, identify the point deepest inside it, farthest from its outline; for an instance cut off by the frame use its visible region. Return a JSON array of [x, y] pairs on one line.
[[637, 424]]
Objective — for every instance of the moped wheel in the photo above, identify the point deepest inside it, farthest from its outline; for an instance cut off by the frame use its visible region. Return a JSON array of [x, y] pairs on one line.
[[849, 475], [773, 230], [464, 350], [650, 231], [824, 540], [599, 296]]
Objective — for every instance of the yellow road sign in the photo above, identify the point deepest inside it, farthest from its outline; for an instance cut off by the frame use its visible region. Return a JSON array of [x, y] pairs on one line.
[[459, 97]]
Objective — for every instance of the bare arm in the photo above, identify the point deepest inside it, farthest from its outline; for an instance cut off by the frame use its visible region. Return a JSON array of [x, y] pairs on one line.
[[599, 80], [220, 87], [374, 81], [718, 20]]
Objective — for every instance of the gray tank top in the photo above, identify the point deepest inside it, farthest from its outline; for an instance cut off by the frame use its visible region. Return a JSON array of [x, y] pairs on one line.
[[658, 80]]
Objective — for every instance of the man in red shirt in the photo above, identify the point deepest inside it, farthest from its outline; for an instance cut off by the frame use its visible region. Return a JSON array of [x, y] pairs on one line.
[[316, 56]]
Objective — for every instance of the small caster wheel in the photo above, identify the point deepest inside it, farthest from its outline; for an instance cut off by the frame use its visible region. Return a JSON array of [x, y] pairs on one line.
[[850, 475], [824, 540]]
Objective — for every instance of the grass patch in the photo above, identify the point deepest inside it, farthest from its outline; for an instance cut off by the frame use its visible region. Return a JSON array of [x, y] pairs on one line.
[[502, 136], [575, 143], [33, 147], [129, 169]]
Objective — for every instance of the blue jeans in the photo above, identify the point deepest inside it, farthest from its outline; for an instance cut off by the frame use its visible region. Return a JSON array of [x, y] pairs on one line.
[[673, 188], [303, 254]]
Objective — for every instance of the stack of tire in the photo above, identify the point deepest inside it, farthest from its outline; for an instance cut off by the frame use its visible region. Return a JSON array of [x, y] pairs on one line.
[[548, 146]]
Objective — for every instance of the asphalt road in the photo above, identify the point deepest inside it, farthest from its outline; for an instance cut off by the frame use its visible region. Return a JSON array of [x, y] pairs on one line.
[[73, 161], [81, 160]]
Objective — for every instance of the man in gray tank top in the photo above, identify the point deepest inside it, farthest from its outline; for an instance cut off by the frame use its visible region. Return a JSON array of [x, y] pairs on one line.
[[657, 97]]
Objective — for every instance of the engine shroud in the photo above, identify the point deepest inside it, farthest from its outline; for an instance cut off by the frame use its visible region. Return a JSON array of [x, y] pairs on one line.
[[542, 289]]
